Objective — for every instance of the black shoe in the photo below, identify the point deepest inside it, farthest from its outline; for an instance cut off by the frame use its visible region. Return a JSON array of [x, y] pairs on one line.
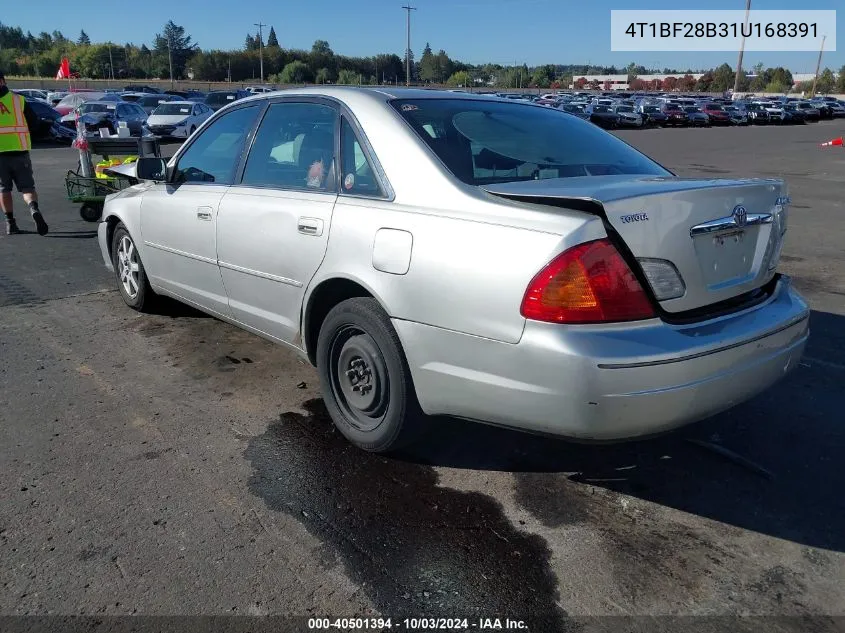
[[39, 222], [12, 227]]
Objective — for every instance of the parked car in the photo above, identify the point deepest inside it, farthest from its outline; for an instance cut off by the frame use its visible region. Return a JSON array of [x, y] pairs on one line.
[[837, 109], [810, 111], [483, 259], [793, 114], [142, 88], [151, 102], [774, 109], [31, 93], [55, 97], [675, 115], [653, 116], [178, 119], [602, 116], [187, 95], [74, 99], [47, 118], [716, 113], [823, 106], [737, 116], [95, 115], [134, 97], [627, 116], [219, 98], [697, 118], [575, 110], [757, 114]]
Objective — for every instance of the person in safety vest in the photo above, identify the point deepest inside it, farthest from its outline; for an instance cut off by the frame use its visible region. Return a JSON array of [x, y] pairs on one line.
[[16, 119]]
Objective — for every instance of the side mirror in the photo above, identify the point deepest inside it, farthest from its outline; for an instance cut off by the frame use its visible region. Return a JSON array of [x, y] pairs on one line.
[[151, 169]]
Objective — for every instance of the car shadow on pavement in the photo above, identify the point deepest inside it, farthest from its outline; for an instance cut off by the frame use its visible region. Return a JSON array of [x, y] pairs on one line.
[[167, 307], [772, 465], [77, 235]]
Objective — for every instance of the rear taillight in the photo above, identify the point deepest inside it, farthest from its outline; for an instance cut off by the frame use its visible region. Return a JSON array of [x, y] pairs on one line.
[[589, 283]]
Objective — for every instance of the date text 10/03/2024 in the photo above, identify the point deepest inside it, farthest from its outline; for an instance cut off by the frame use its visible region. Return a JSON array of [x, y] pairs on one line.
[[416, 624]]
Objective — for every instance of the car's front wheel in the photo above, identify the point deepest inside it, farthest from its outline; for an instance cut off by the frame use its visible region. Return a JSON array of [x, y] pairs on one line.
[[365, 377], [129, 269]]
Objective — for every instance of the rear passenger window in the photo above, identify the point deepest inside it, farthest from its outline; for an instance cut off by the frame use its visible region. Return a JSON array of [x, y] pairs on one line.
[[357, 176], [294, 148]]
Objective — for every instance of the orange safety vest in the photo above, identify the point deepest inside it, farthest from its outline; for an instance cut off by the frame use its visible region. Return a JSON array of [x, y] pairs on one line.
[[14, 132]]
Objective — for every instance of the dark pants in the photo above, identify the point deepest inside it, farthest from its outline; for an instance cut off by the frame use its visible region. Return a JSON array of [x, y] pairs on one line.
[[16, 169]]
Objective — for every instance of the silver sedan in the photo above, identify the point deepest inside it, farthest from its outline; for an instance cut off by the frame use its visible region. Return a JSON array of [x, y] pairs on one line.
[[434, 253]]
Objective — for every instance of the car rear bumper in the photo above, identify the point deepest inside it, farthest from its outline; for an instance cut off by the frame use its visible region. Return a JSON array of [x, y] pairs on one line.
[[608, 382]]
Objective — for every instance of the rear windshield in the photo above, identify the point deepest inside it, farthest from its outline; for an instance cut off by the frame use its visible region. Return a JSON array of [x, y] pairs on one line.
[[87, 108], [488, 142], [173, 108]]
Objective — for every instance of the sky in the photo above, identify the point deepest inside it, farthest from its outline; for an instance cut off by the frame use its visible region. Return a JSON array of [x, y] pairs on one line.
[[473, 31]]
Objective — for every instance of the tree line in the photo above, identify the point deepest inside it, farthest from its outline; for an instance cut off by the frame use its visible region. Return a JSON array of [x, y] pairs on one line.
[[173, 50]]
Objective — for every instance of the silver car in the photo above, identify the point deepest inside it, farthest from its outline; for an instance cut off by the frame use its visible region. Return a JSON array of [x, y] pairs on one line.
[[489, 259]]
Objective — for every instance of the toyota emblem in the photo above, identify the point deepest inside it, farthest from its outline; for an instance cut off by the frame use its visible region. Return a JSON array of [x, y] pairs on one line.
[[740, 215]]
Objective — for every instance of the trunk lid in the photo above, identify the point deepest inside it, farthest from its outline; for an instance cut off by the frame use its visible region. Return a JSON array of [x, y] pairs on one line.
[[723, 236]]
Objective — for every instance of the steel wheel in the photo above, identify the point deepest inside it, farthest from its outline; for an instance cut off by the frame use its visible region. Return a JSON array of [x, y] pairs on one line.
[[359, 378], [128, 270]]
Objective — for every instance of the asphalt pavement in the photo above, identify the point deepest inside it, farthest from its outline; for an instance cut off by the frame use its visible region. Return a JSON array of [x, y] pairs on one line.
[[174, 465]]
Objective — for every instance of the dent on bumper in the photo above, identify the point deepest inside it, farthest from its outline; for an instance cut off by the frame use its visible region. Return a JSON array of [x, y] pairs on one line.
[[605, 383]]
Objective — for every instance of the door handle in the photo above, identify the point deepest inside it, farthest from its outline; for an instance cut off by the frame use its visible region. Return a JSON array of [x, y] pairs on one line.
[[310, 226], [204, 213]]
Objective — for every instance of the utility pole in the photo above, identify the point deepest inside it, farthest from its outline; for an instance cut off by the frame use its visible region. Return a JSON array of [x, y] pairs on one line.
[[408, 8], [111, 63], [260, 48], [818, 66], [742, 47]]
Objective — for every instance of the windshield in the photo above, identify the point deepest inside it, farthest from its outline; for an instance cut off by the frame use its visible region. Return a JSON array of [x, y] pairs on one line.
[[88, 108], [220, 97], [173, 108], [651, 109], [601, 108], [483, 142], [624, 109], [691, 109], [714, 106], [151, 101]]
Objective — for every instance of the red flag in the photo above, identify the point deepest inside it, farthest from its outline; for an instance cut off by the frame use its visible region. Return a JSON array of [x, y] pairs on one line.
[[64, 69]]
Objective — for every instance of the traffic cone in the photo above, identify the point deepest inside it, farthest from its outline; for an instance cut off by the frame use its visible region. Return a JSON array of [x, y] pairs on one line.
[[834, 143]]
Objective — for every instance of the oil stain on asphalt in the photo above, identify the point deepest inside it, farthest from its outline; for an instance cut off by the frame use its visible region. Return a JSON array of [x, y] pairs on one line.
[[415, 548]]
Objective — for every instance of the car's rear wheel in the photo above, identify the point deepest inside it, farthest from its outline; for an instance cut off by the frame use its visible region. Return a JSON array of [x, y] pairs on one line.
[[129, 270], [365, 378]]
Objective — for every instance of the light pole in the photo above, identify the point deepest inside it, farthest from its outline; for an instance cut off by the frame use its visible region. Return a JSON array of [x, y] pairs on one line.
[[742, 47], [818, 66], [260, 48], [408, 8]]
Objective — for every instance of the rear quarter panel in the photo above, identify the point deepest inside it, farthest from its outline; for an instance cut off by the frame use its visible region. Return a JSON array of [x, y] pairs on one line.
[[465, 274]]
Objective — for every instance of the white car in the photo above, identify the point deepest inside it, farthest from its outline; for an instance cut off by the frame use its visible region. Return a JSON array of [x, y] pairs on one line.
[[178, 119]]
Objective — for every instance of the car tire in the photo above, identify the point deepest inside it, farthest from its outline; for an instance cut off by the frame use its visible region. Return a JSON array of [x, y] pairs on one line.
[[91, 212], [129, 269], [365, 379]]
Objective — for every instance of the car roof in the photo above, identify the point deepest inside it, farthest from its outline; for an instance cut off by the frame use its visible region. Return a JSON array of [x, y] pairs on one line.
[[380, 94], [186, 103]]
